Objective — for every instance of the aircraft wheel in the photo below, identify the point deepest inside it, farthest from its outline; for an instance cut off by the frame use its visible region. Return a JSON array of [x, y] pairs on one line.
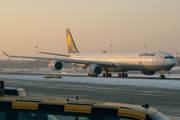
[[106, 74], [103, 75], [125, 75], [109, 75], [89, 75], [160, 76], [163, 76], [119, 74], [122, 75]]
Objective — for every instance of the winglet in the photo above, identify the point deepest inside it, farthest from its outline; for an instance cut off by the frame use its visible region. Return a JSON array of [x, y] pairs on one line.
[[5, 53]]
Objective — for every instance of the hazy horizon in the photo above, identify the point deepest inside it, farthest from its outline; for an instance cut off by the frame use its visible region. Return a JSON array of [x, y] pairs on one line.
[[128, 25]]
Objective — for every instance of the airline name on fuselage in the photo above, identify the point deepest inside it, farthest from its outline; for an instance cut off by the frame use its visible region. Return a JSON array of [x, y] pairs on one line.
[[147, 54]]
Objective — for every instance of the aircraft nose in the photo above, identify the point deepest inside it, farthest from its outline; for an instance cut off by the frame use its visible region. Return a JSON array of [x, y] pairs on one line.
[[173, 62], [170, 63]]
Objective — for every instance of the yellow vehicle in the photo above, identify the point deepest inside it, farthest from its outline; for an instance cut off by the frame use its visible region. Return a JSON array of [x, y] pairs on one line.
[[38, 108]]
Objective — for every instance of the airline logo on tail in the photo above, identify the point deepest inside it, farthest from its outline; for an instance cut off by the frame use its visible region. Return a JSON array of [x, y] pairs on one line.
[[68, 40], [70, 43]]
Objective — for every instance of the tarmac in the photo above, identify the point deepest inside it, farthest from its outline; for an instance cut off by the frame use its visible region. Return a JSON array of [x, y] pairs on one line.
[[79, 74], [163, 99]]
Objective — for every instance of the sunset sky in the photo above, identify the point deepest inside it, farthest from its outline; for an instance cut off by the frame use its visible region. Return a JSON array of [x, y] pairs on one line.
[[128, 25]]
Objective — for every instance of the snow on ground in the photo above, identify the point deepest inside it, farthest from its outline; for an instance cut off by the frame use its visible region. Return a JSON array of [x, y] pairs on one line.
[[170, 84], [155, 75]]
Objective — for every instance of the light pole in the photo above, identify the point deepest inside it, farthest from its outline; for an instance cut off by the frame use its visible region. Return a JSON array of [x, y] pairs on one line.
[[9, 64], [176, 57], [145, 47], [111, 47], [36, 56]]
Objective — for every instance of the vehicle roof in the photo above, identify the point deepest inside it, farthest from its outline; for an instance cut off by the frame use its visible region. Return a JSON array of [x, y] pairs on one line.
[[82, 106], [14, 88]]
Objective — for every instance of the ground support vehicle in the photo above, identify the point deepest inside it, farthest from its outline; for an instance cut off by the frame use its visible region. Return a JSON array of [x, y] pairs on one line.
[[33, 108], [15, 91], [39, 108]]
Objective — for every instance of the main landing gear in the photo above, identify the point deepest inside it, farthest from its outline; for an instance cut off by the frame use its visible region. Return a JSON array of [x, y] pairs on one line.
[[106, 74], [123, 75], [90, 75]]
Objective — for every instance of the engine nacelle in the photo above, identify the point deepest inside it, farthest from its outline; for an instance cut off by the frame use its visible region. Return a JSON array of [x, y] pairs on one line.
[[55, 65], [148, 72], [94, 69]]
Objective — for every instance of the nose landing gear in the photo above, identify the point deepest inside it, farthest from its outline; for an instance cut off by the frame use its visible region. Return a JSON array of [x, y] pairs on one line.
[[162, 76]]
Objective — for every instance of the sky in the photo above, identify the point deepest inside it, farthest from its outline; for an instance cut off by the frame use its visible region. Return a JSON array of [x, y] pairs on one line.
[[129, 25]]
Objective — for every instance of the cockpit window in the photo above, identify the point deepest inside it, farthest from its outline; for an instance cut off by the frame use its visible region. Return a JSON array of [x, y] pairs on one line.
[[168, 57]]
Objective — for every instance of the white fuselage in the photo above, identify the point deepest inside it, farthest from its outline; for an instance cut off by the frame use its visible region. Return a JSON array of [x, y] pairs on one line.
[[124, 61]]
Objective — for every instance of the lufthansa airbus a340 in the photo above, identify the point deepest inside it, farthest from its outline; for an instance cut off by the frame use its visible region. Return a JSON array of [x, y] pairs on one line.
[[148, 62]]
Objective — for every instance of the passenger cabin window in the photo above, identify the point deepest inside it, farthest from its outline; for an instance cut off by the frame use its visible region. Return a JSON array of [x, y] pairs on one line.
[[42, 116], [168, 57]]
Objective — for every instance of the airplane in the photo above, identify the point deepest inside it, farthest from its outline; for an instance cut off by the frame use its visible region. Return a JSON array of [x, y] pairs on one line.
[[148, 62]]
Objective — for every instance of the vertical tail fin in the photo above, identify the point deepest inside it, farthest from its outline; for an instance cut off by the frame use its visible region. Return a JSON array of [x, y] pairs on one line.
[[70, 42]]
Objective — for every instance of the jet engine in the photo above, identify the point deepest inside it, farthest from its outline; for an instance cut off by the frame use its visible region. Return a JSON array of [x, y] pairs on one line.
[[148, 72], [55, 65], [94, 69]]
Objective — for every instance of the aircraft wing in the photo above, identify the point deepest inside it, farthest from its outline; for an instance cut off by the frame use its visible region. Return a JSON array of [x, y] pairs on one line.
[[55, 54], [87, 62]]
